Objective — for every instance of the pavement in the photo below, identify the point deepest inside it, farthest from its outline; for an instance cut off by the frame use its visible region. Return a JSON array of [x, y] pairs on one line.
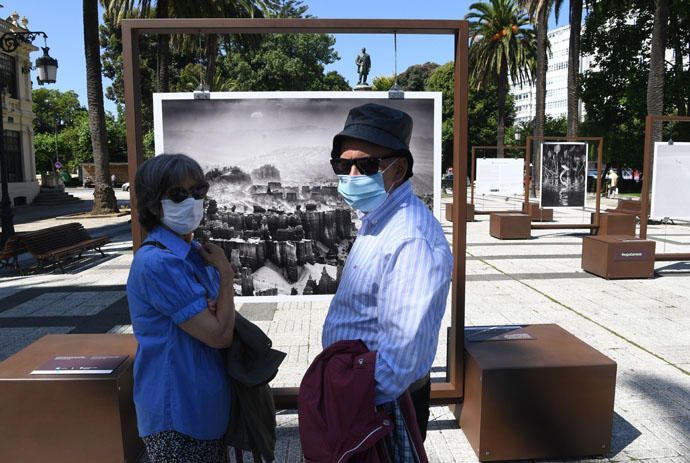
[[642, 324]]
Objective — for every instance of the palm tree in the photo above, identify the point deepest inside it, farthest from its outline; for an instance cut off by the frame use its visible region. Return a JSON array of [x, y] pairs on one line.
[[103, 194], [574, 67], [539, 11], [501, 46], [657, 65]]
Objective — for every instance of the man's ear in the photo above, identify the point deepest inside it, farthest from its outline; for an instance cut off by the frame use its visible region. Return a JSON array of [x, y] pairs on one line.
[[400, 170]]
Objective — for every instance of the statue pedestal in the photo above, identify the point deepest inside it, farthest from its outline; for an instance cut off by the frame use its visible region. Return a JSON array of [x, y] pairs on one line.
[[362, 87]]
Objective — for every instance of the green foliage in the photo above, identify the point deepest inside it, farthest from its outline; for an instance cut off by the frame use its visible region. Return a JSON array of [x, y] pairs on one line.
[[482, 111], [71, 142], [614, 91], [284, 62], [382, 83], [414, 77], [54, 108], [111, 60], [276, 62], [335, 82], [554, 126]]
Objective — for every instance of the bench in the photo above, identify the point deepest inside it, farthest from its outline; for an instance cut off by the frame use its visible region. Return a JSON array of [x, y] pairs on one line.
[[54, 244], [9, 254]]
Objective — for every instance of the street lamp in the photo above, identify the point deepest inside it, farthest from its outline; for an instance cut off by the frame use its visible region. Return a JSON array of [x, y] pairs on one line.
[[47, 71]]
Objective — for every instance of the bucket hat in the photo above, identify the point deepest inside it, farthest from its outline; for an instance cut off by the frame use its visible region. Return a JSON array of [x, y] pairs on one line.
[[377, 124]]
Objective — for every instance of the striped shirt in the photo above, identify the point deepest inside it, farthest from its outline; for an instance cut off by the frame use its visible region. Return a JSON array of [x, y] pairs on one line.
[[393, 291]]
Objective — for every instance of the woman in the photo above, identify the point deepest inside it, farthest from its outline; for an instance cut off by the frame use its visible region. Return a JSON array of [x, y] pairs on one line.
[[181, 303]]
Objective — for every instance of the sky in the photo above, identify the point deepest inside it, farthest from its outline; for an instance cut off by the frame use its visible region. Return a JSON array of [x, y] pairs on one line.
[[62, 21]]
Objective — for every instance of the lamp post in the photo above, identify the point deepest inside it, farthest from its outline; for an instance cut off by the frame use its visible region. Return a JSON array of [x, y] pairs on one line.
[[46, 66]]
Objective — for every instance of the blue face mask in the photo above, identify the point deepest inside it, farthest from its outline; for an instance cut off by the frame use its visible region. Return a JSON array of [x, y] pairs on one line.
[[363, 192]]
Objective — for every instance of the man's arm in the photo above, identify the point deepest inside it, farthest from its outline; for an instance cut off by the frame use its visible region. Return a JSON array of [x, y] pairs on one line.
[[411, 302]]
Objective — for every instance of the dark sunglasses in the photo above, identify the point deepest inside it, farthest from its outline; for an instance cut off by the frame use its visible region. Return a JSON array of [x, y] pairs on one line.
[[365, 166], [177, 194]]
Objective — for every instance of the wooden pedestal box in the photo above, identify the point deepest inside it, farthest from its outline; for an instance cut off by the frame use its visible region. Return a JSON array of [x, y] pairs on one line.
[[615, 223], [538, 214], [510, 226], [69, 418], [540, 393], [618, 256], [470, 212]]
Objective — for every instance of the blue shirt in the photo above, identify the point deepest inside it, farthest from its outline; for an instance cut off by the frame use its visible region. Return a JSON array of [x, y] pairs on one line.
[[393, 291], [180, 383]]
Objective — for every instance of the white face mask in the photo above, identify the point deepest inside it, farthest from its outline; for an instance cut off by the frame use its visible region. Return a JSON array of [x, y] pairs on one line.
[[183, 217]]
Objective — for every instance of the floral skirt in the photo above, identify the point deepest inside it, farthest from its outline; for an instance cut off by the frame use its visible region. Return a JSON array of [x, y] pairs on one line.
[[175, 447]]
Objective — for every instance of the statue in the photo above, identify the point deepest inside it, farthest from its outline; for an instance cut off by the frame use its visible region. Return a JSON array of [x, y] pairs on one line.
[[363, 62]]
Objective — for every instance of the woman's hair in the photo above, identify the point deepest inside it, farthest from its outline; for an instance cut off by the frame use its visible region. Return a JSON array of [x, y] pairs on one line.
[[155, 177]]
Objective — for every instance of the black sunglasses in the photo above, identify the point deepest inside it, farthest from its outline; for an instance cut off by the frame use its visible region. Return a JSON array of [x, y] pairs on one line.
[[177, 194], [366, 166]]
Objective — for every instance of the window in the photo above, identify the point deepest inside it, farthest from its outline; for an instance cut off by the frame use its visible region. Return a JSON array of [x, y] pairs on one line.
[[8, 74], [13, 156]]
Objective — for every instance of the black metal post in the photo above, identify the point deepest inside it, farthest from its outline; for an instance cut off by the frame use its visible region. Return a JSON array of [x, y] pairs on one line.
[[5, 204]]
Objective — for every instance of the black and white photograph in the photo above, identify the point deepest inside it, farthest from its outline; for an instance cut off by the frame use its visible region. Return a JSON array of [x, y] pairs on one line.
[[563, 174], [273, 202]]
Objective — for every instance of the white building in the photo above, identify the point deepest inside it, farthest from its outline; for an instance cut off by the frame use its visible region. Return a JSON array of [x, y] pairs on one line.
[[18, 117], [556, 81]]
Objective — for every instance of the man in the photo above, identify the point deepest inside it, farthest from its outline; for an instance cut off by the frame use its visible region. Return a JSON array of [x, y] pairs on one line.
[[613, 183], [363, 62], [395, 283]]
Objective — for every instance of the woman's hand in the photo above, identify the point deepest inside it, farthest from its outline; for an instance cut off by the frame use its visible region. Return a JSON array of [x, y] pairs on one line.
[[215, 256]]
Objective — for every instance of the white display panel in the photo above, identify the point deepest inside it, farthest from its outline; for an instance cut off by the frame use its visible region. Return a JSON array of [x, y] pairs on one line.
[[671, 181], [500, 176], [563, 174], [276, 210]]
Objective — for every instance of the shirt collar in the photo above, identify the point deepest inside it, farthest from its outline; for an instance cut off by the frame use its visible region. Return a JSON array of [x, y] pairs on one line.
[[170, 240], [398, 196]]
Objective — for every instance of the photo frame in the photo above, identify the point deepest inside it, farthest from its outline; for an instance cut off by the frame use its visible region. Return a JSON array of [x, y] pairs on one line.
[[500, 176], [563, 174], [670, 181]]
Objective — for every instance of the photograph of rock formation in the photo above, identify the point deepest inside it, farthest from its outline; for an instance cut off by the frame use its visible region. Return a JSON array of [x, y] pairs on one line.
[[273, 203]]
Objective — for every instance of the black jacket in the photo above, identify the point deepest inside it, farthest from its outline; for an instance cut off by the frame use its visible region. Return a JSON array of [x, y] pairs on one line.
[[251, 364]]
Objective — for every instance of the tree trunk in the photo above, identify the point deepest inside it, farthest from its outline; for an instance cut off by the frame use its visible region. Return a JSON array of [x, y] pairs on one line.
[[540, 81], [162, 51], [542, 65], [103, 194], [657, 66], [574, 68], [502, 92], [681, 103], [211, 55]]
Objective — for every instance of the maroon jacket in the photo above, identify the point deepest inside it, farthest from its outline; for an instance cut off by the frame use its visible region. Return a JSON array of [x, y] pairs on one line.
[[338, 420]]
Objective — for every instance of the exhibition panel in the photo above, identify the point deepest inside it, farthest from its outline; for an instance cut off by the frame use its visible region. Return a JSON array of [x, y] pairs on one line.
[[451, 390]]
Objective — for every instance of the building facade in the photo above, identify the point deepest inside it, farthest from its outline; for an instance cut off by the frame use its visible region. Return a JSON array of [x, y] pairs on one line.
[[556, 81], [18, 117]]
